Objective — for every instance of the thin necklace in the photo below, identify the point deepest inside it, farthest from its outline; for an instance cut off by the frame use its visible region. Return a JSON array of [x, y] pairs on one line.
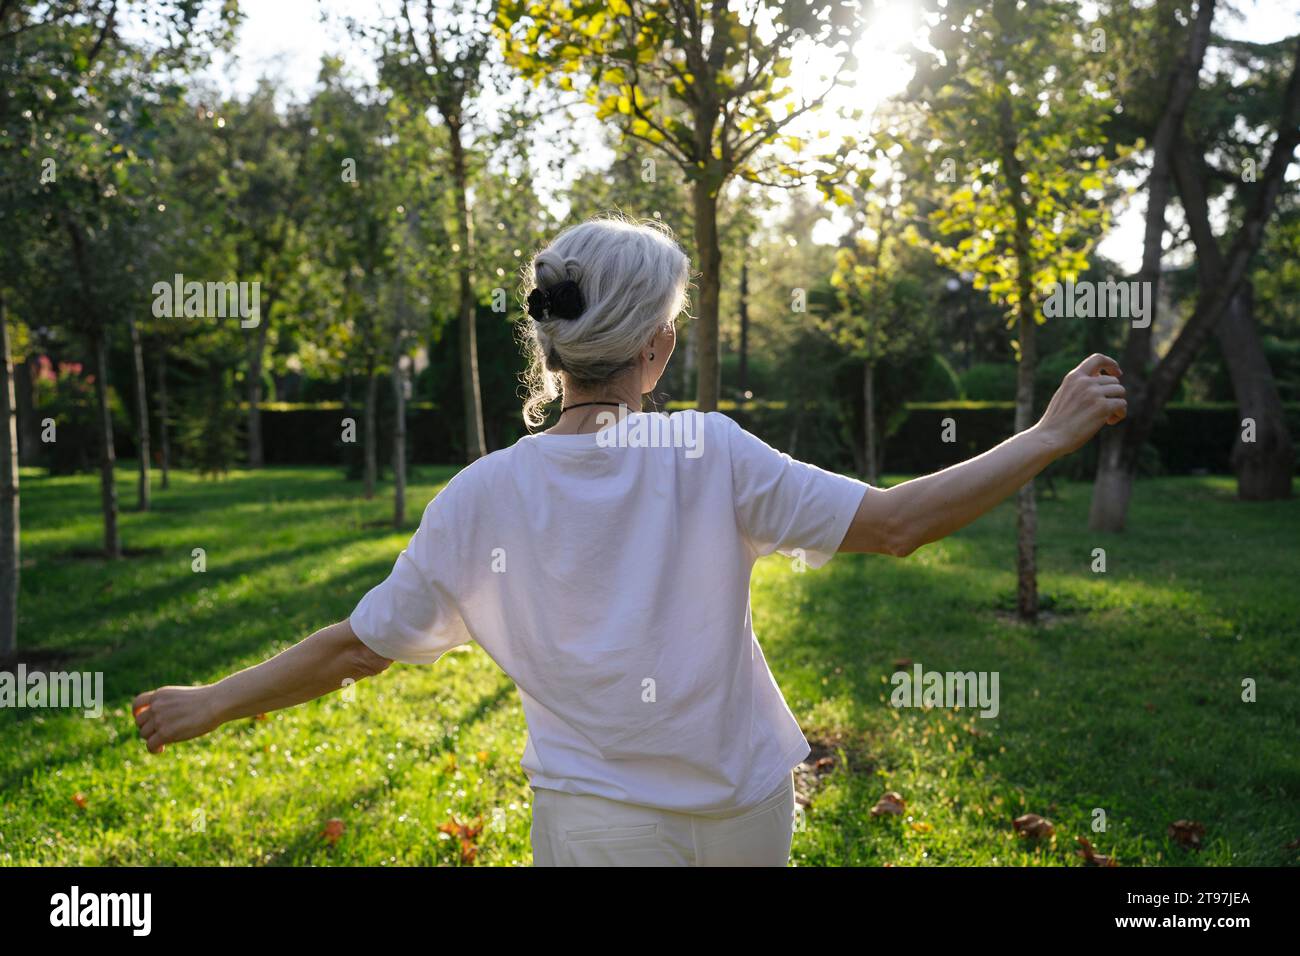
[[584, 404]]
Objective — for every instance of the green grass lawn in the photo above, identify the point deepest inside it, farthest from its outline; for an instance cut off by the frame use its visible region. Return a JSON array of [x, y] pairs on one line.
[[1126, 699]]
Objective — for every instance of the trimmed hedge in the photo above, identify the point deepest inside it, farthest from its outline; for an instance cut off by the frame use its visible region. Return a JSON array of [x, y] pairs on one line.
[[1188, 437]]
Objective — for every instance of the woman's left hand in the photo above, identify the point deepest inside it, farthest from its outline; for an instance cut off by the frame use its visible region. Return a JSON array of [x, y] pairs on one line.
[[332, 658], [172, 714]]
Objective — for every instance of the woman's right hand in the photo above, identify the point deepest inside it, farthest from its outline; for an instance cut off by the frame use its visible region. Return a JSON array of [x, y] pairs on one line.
[[172, 714], [1090, 396]]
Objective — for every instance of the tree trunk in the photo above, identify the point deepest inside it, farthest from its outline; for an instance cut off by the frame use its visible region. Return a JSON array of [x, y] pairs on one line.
[[475, 442], [869, 419], [369, 441], [10, 553], [743, 371], [99, 348], [164, 427], [1026, 331], [257, 351], [107, 455], [857, 446], [399, 441], [1182, 83], [29, 446], [687, 366], [1121, 444], [708, 382], [1026, 500], [1112, 489], [142, 415], [1263, 466]]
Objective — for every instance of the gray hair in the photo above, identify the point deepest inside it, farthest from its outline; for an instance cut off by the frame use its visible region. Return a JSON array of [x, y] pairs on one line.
[[633, 279]]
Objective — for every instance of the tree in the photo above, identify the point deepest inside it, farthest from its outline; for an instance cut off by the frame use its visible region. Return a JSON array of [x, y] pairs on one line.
[[193, 235], [418, 241], [1012, 101], [1152, 383], [1213, 157], [10, 555], [1264, 465], [87, 98], [702, 84], [378, 226], [784, 266], [883, 312], [351, 219], [261, 182], [437, 56], [57, 46]]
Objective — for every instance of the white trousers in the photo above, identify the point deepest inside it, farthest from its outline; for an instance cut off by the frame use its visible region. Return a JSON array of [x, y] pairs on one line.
[[580, 830]]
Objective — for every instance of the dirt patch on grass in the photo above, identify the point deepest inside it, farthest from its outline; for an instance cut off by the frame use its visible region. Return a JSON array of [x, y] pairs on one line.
[[831, 752], [1046, 619], [1053, 609], [97, 554], [38, 659]]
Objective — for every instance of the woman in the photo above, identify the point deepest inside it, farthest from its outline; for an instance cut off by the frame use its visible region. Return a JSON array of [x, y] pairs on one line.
[[604, 564]]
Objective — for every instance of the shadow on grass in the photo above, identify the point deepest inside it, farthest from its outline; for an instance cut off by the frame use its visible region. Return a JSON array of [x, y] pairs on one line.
[[307, 846]]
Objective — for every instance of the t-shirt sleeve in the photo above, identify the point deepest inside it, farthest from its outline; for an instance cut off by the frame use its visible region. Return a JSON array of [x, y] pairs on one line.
[[413, 616], [787, 505]]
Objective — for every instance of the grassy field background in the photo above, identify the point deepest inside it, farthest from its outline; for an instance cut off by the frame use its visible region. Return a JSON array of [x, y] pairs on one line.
[[1126, 699]]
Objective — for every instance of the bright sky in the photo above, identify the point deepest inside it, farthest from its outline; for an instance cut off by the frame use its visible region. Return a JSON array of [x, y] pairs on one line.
[[286, 38]]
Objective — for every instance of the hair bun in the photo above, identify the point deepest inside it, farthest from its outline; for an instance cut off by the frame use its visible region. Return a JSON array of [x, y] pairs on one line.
[[561, 301]]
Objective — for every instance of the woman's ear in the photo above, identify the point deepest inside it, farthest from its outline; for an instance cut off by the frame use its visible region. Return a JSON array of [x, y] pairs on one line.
[[656, 355]]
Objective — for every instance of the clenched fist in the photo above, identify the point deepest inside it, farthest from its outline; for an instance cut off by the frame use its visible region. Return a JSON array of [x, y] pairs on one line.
[[1090, 396], [171, 714]]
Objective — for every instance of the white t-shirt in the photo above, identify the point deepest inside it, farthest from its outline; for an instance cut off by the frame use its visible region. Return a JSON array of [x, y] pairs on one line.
[[608, 575]]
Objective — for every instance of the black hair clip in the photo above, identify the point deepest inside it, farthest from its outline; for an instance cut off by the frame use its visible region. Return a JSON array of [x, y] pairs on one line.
[[561, 301]]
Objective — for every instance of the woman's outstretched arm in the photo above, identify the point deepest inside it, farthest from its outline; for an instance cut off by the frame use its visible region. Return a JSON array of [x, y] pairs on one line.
[[900, 519], [311, 668]]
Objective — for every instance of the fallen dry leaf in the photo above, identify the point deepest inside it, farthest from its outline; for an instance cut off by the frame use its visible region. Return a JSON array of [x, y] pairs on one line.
[[79, 799], [1033, 826], [1091, 856], [902, 662], [891, 804], [467, 833], [1293, 845], [333, 831], [1188, 833]]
